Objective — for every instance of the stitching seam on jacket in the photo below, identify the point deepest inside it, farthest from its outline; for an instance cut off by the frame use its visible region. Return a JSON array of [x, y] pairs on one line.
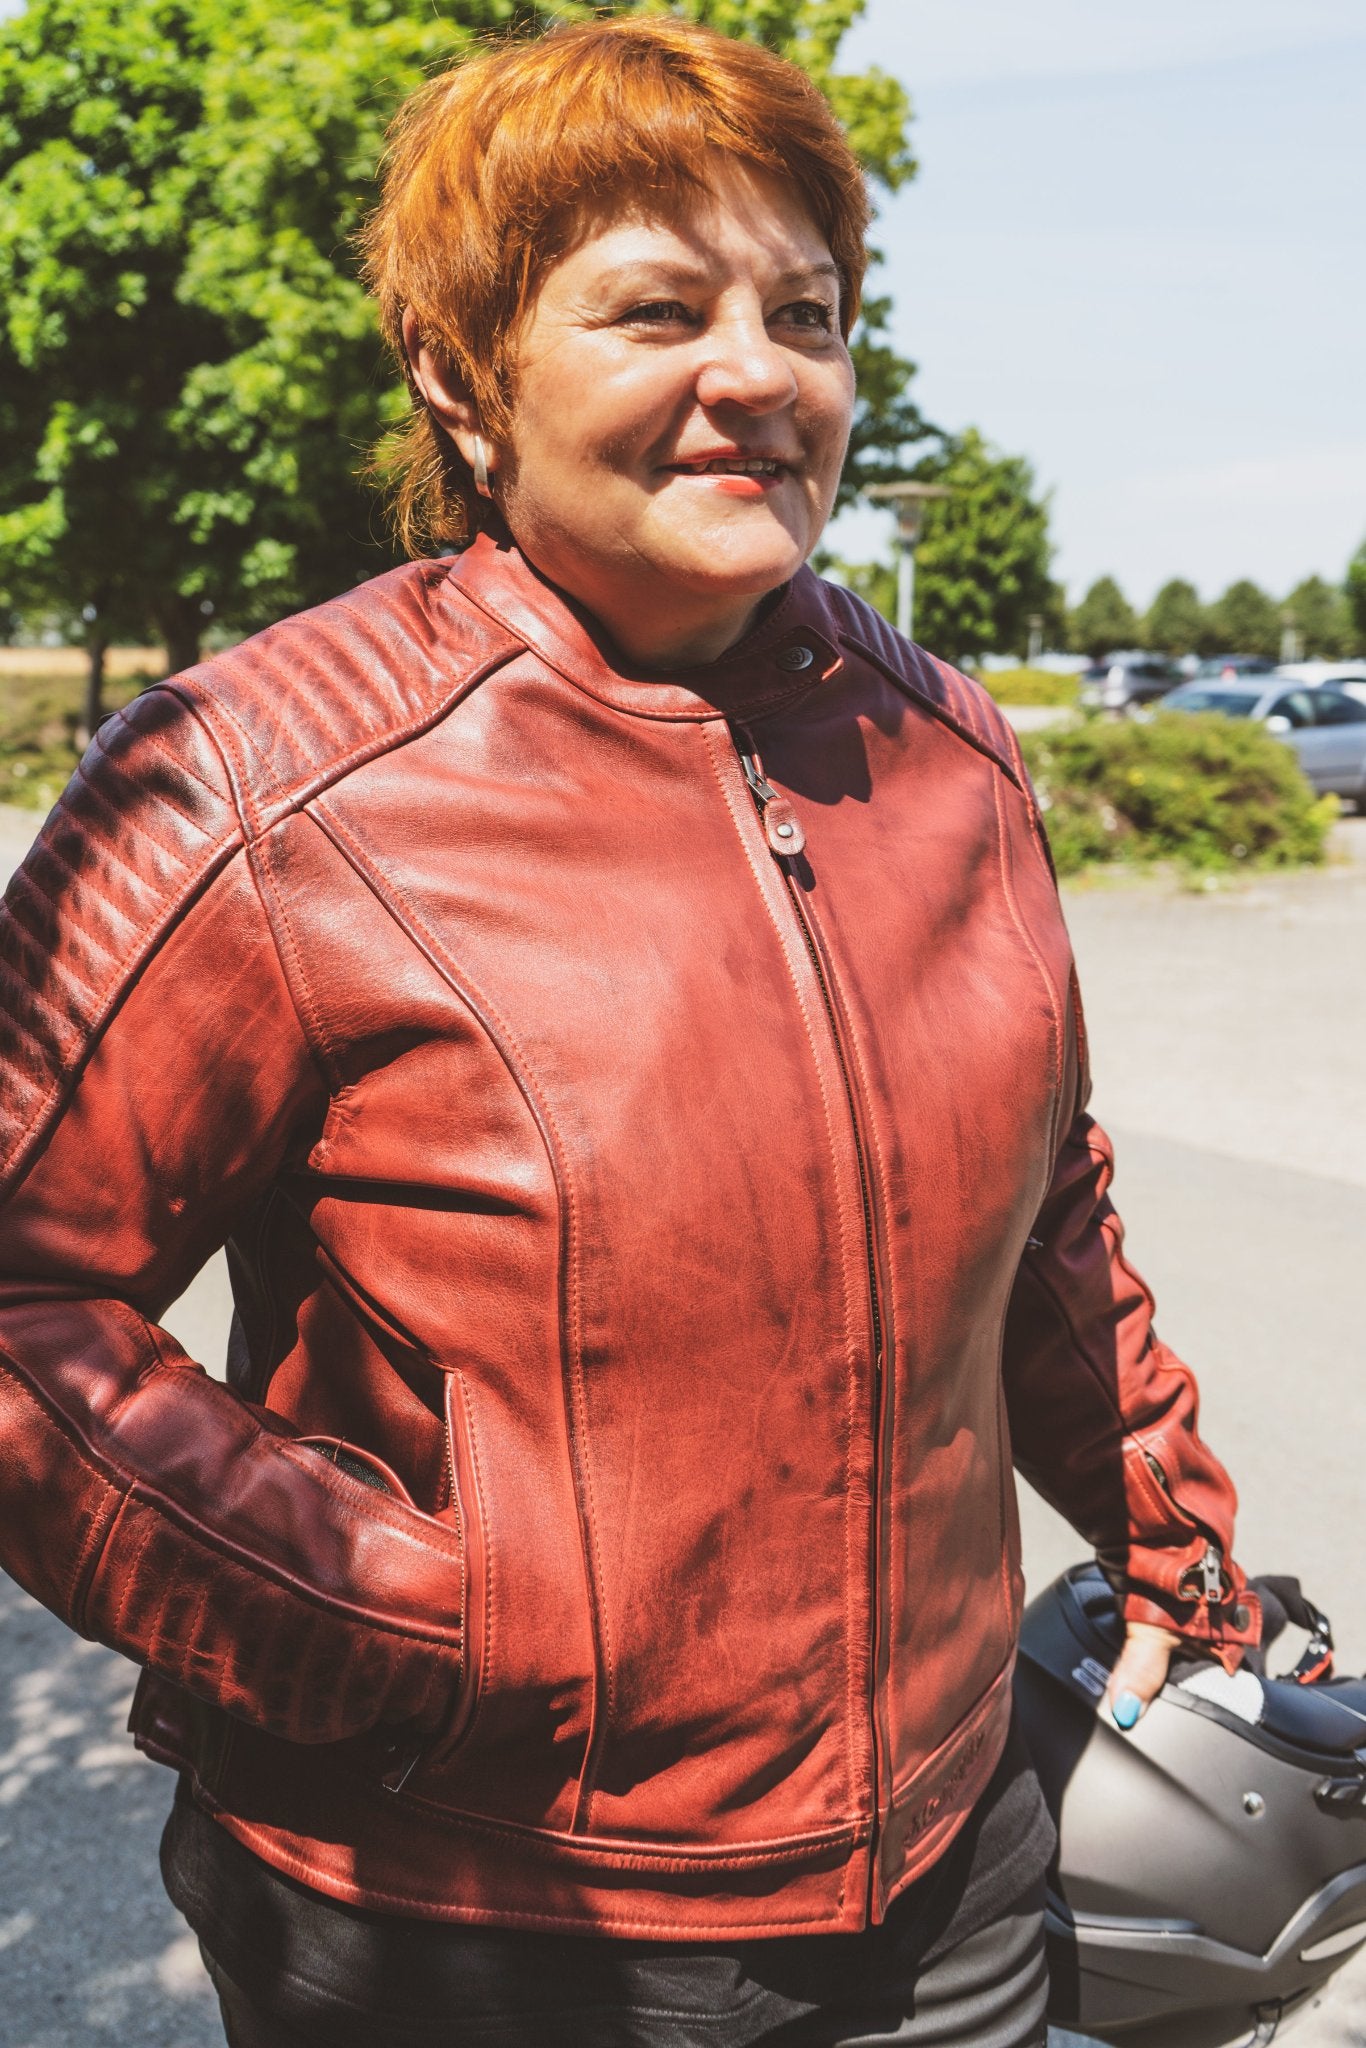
[[1055, 1028], [615, 1924], [298, 794], [786, 691], [610, 1851], [877, 1199], [162, 1509], [711, 733], [129, 968], [941, 712], [514, 1060], [257, 857]]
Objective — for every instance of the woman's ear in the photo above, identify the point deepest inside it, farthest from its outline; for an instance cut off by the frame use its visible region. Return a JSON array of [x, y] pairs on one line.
[[445, 396]]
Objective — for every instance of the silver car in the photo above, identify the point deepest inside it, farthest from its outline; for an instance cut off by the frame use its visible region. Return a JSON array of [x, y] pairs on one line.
[[1337, 675], [1325, 727]]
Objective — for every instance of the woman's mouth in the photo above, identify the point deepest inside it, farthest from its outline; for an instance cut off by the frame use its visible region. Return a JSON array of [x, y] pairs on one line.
[[737, 476]]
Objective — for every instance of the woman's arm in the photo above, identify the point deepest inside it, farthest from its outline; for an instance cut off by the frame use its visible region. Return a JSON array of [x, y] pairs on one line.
[[1103, 1416], [154, 1075]]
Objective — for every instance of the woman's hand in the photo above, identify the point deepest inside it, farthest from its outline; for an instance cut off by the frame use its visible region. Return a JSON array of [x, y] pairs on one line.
[[1141, 1671]]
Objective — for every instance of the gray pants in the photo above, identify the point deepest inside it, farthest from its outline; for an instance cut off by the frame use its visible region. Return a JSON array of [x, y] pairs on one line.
[[987, 1992]]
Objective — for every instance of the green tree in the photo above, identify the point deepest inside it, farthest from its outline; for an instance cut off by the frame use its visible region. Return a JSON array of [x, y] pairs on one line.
[[1354, 589], [1321, 618], [1247, 621], [873, 581], [188, 361], [983, 559], [1175, 622], [887, 421], [1104, 621], [189, 369], [982, 562]]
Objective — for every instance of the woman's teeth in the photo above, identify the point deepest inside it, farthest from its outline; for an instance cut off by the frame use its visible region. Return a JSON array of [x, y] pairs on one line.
[[728, 466]]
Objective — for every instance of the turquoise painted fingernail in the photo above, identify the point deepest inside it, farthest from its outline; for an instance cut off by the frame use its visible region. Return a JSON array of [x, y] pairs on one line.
[[1127, 1709]]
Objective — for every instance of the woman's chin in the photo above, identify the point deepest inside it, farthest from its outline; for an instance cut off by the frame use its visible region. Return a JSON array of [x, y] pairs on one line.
[[731, 558]]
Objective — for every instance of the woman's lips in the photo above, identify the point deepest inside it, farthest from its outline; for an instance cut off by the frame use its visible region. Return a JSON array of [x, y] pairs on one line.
[[734, 477]]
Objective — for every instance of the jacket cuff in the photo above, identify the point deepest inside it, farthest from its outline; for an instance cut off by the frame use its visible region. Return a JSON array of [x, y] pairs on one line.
[[1226, 1629]]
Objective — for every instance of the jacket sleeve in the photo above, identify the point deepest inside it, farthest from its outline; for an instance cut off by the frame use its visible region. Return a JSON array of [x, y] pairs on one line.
[[154, 1075], [1104, 1416]]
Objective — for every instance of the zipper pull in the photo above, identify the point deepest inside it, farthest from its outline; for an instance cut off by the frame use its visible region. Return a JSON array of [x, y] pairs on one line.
[[1212, 1577], [782, 826], [402, 1760]]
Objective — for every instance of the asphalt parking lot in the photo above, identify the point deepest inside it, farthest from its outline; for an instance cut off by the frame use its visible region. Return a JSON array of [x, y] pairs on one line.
[[1230, 1066]]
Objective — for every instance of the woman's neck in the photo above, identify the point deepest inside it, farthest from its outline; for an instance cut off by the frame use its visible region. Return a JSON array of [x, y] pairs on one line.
[[660, 630]]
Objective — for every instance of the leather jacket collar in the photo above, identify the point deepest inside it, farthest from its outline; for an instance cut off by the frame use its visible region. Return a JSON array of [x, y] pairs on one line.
[[791, 649]]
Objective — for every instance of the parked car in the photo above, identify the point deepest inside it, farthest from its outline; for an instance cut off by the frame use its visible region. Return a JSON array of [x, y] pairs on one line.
[[1229, 666], [1325, 727], [1118, 682], [1342, 675]]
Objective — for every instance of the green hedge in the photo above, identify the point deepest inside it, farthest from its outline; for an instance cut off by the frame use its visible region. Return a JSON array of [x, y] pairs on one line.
[[1197, 789], [1031, 686]]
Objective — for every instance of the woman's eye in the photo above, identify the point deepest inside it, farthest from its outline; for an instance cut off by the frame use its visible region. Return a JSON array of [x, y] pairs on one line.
[[659, 313], [813, 313]]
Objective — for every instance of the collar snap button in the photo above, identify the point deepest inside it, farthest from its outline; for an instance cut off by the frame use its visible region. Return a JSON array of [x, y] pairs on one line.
[[795, 658]]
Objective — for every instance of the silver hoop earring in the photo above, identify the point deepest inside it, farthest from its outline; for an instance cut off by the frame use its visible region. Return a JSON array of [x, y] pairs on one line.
[[481, 468]]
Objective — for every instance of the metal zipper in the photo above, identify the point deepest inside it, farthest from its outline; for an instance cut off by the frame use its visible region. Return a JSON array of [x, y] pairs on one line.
[[1210, 1570], [404, 1760], [785, 837]]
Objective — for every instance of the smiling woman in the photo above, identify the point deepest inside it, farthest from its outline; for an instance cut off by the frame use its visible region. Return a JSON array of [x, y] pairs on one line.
[[610, 994], [683, 400], [638, 305]]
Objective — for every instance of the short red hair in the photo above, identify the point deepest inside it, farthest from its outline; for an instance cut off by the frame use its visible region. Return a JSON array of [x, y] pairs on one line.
[[494, 168]]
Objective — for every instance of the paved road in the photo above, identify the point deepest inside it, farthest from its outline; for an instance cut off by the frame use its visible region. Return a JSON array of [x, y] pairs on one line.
[[1230, 1065]]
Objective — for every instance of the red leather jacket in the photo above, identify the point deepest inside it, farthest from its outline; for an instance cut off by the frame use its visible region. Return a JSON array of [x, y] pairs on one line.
[[671, 1233]]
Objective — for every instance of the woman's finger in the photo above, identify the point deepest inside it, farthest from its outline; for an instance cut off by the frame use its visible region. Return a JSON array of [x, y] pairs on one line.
[[1139, 1675]]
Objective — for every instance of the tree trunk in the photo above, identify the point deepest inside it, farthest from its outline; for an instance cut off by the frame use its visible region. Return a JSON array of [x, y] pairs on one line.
[[179, 621], [96, 645]]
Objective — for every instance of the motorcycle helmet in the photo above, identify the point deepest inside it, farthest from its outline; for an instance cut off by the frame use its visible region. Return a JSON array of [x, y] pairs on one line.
[[1211, 1869]]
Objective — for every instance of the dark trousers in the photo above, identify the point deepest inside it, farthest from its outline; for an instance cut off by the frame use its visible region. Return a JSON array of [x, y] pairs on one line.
[[988, 1991]]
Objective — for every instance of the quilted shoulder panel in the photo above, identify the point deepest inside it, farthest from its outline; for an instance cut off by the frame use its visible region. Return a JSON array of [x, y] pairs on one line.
[[170, 788], [300, 704], [147, 818], [952, 696]]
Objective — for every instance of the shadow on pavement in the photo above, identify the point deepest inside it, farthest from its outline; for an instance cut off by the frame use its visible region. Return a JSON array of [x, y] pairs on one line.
[[91, 1951]]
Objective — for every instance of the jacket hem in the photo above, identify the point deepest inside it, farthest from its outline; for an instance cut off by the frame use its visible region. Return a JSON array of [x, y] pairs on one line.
[[352, 1841]]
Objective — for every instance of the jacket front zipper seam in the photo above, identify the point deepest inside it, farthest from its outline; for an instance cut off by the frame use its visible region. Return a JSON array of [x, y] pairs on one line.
[[880, 1377], [755, 783]]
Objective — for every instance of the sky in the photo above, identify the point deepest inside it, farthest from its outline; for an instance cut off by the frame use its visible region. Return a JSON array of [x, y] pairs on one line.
[[1134, 254]]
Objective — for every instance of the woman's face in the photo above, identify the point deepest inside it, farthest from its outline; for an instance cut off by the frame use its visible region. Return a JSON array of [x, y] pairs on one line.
[[682, 403]]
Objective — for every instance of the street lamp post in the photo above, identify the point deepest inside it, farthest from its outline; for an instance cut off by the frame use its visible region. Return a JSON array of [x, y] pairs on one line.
[[909, 501]]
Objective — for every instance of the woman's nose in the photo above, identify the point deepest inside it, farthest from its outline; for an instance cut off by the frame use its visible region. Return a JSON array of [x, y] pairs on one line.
[[744, 366]]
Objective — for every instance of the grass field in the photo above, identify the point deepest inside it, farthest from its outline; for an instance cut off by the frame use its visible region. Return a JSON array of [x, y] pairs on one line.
[[42, 698]]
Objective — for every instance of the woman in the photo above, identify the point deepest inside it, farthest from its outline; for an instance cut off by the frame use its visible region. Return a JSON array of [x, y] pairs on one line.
[[609, 994]]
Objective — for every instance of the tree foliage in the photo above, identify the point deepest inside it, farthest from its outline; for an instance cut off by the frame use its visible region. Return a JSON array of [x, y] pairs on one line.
[[982, 566], [887, 421], [1175, 622], [982, 562], [1355, 593], [1322, 619], [1247, 621], [188, 362], [1104, 621], [189, 368]]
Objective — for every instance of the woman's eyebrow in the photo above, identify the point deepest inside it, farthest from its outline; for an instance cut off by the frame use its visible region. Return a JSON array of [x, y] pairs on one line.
[[808, 273], [654, 270], [648, 273]]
